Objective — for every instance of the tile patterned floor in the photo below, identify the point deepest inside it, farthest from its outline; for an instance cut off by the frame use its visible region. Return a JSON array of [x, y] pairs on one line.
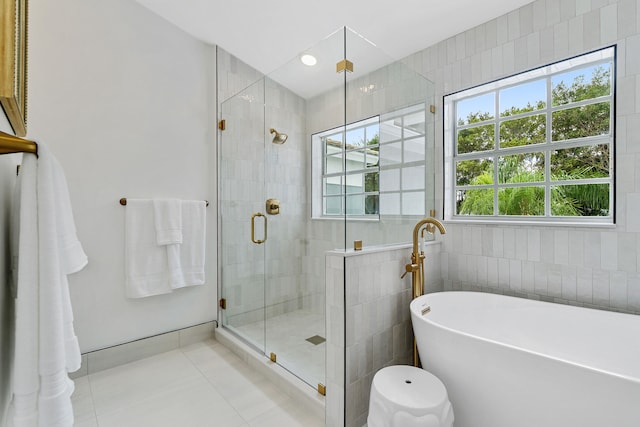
[[201, 385], [287, 335]]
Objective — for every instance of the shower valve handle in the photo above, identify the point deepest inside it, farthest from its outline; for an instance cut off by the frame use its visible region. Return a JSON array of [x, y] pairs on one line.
[[409, 268]]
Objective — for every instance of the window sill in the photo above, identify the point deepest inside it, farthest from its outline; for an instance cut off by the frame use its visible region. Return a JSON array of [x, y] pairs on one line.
[[508, 223], [342, 218]]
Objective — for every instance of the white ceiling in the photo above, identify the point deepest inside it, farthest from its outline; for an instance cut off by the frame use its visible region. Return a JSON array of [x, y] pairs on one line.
[[266, 34]]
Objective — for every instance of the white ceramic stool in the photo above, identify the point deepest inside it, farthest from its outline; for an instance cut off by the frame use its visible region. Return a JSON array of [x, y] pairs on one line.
[[405, 396]]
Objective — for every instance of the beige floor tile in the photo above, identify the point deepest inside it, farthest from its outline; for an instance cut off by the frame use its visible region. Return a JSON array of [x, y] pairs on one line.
[[82, 401], [286, 335], [124, 385], [289, 414], [203, 384], [195, 403], [209, 355], [89, 422], [257, 398]]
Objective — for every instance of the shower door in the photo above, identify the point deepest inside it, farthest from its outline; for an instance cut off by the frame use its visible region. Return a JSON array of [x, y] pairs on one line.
[[241, 175], [270, 300]]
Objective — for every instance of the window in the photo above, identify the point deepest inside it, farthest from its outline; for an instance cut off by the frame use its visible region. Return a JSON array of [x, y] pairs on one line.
[[373, 167], [402, 162], [534, 146], [350, 169]]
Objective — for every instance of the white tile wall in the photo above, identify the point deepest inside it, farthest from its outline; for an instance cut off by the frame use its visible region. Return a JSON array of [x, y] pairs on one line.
[[335, 402], [377, 325], [595, 267], [633, 292]]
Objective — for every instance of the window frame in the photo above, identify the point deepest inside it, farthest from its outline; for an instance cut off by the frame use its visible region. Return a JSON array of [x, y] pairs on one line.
[[403, 136], [319, 171], [547, 147]]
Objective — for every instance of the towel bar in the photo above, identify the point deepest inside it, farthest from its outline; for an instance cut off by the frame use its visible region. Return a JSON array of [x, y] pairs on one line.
[[123, 201]]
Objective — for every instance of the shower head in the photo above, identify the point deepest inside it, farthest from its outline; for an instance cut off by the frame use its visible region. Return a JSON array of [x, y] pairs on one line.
[[280, 138]]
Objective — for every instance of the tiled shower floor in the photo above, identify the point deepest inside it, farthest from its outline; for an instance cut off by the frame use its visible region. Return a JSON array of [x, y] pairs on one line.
[[287, 335], [201, 385]]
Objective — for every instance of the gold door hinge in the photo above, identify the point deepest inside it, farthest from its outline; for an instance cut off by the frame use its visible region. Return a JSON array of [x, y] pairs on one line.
[[222, 124], [432, 109], [273, 357], [322, 389], [223, 303]]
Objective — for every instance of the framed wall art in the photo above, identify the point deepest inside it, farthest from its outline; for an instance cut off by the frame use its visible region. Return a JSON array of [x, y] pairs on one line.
[[13, 65]]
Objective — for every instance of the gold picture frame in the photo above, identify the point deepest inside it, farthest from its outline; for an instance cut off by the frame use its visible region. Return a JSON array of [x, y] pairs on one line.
[[13, 65]]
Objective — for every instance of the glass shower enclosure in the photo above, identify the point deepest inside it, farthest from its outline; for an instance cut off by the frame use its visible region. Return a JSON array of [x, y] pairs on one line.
[[357, 164], [271, 298]]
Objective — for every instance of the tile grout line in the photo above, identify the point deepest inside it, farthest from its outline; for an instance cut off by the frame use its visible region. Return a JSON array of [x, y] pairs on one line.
[[93, 403], [212, 384], [246, 366]]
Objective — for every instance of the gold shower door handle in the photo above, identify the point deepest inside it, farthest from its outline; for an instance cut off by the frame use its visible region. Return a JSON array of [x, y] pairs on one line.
[[253, 228]]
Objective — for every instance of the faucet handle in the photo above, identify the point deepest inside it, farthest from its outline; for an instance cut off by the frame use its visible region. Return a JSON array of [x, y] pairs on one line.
[[409, 268]]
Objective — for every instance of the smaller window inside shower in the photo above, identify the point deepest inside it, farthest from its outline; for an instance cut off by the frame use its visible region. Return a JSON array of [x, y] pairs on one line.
[[351, 169], [372, 167]]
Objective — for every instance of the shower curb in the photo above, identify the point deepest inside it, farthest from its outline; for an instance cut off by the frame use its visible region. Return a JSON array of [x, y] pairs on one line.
[[294, 387]]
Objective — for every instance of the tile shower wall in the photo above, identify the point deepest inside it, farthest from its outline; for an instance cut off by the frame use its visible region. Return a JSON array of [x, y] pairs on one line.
[[594, 267], [285, 180], [251, 172], [233, 75], [369, 314]]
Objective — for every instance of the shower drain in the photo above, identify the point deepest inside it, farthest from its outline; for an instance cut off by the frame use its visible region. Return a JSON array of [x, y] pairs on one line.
[[316, 339]]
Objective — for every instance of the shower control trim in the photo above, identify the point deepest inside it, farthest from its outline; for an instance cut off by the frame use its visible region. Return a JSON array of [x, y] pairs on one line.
[[273, 206]]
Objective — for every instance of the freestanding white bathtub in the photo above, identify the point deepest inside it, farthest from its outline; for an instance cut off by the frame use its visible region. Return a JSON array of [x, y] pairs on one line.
[[513, 362]]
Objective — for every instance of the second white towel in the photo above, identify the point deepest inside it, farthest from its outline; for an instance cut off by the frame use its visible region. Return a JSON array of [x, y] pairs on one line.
[[153, 269], [167, 215], [192, 249], [146, 267]]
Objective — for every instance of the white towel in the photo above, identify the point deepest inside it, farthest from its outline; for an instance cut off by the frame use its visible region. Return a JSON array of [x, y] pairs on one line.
[[192, 249], [146, 266], [167, 215], [46, 347], [152, 269]]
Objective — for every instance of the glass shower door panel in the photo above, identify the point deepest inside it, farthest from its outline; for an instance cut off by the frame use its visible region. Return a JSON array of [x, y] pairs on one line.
[[294, 265], [242, 188]]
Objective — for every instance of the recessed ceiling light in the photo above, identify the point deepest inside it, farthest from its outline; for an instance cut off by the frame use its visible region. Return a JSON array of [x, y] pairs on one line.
[[309, 60]]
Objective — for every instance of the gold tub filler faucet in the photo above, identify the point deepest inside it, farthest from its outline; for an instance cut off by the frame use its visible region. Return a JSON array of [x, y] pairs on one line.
[[416, 267]]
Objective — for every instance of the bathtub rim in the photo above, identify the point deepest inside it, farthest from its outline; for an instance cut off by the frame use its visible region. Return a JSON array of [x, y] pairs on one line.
[[415, 313]]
